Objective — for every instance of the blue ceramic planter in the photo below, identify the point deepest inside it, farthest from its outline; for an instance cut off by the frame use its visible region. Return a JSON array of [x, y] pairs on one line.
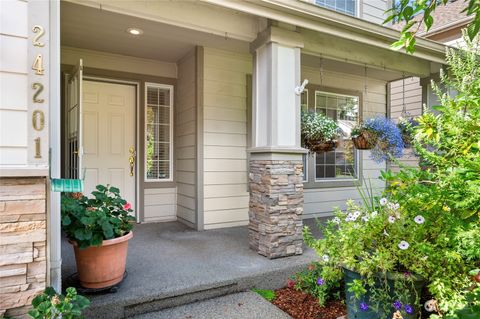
[[353, 309]]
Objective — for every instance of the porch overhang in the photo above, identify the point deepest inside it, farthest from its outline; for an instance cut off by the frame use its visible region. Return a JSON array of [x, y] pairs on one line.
[[337, 35]]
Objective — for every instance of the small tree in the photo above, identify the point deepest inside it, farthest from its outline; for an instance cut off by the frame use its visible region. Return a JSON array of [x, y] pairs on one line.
[[408, 10]]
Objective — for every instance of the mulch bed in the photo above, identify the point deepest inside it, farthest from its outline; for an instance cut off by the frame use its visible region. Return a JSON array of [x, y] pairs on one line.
[[302, 306]]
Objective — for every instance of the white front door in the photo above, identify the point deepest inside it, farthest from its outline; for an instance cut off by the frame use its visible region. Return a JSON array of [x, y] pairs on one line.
[[109, 137]]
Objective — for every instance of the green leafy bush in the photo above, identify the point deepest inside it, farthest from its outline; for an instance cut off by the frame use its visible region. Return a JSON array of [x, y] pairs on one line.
[[428, 223], [50, 305], [89, 221], [310, 281]]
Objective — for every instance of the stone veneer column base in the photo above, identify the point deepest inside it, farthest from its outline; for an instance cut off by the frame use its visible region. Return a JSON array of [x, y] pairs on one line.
[[276, 207], [23, 246]]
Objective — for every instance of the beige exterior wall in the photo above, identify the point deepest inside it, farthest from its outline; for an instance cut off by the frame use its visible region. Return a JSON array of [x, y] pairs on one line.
[[320, 201], [13, 83], [225, 138], [23, 250], [374, 10], [408, 92], [117, 62], [185, 138]]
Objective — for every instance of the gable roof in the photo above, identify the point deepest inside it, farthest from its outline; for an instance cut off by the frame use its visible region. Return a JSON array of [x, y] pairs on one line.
[[445, 17]]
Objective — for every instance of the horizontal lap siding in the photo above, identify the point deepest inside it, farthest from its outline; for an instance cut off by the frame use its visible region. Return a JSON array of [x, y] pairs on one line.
[[13, 83], [159, 204], [322, 201], [185, 138], [410, 94], [374, 10], [225, 138]]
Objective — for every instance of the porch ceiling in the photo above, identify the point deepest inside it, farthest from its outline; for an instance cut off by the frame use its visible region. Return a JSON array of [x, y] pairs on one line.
[[107, 31]]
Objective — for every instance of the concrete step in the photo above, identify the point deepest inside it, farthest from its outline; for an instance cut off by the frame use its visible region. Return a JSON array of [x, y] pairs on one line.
[[150, 302], [244, 305]]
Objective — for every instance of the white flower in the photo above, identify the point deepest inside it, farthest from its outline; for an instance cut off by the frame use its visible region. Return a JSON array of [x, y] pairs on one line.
[[403, 245], [419, 219], [336, 220], [391, 219], [385, 233], [374, 214], [430, 305], [356, 214], [396, 206], [365, 218], [383, 201], [325, 258]]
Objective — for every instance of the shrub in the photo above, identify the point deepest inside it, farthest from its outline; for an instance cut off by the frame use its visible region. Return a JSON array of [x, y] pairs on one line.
[[89, 221], [310, 281], [50, 305]]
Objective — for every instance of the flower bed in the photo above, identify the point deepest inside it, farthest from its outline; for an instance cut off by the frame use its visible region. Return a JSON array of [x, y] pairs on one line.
[[300, 305]]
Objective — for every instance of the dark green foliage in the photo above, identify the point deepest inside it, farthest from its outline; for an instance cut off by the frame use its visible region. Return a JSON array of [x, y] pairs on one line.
[[51, 305], [408, 10], [89, 221]]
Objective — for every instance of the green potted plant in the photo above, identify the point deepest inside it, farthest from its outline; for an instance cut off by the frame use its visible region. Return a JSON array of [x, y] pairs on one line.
[[98, 229], [318, 132], [50, 305], [370, 248]]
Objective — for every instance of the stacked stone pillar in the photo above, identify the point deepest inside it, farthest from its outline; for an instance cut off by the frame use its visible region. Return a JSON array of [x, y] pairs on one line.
[[276, 187], [276, 207]]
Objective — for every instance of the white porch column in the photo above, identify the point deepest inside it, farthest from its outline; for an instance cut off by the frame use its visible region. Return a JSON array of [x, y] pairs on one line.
[[276, 187]]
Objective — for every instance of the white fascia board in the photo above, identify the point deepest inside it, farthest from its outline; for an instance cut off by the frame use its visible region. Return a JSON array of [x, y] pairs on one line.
[[316, 18]]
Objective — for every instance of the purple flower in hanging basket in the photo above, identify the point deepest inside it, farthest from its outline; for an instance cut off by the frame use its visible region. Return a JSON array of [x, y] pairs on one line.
[[320, 281], [408, 309], [390, 142], [397, 305], [364, 306]]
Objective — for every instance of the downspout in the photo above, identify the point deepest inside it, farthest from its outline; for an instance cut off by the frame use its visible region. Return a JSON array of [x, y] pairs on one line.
[[53, 209]]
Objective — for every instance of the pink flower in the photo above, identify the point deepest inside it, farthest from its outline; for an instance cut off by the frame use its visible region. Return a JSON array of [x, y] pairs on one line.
[[290, 283], [127, 206]]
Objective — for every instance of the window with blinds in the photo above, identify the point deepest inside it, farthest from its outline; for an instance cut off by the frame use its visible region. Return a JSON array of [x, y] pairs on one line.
[[342, 6], [342, 162], [158, 132]]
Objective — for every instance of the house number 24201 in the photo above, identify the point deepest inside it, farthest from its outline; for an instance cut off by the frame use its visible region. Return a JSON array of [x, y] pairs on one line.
[[38, 116]]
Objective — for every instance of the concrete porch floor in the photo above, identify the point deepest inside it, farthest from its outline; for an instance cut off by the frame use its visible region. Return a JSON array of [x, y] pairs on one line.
[[170, 264]]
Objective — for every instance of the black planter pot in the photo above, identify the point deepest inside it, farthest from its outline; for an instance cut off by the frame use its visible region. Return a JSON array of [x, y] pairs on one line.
[[353, 305]]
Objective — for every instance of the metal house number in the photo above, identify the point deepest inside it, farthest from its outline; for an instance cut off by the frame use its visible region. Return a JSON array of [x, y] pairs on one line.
[[38, 116]]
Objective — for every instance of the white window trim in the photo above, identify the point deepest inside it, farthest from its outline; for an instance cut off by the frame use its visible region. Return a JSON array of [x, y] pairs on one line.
[[170, 88], [357, 157]]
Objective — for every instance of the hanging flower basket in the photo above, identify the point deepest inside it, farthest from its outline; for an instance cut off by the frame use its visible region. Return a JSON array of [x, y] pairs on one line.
[[364, 141], [321, 146], [318, 132]]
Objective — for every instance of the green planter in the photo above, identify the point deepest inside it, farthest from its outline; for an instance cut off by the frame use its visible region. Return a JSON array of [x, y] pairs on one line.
[[353, 305]]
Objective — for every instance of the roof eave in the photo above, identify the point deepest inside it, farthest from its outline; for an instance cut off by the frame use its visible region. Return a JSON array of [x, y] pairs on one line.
[[316, 18]]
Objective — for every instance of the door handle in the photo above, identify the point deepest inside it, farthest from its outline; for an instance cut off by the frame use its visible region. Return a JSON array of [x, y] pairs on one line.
[[131, 160]]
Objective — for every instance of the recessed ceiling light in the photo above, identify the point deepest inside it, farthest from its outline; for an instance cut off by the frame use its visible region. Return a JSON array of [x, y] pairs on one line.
[[135, 31]]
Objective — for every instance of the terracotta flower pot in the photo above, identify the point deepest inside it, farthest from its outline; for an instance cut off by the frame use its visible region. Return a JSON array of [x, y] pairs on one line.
[[102, 266]]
